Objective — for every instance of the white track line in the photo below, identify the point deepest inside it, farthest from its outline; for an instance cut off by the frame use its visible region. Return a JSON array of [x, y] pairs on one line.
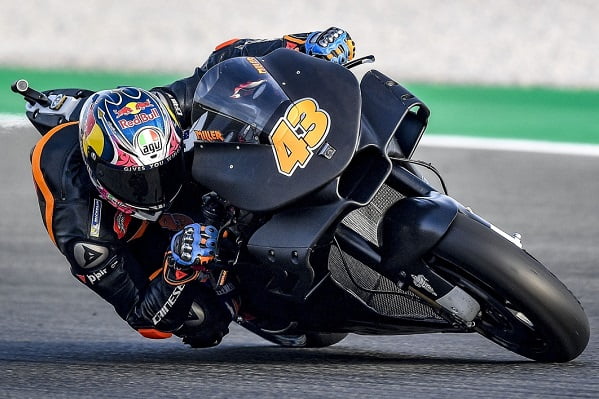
[[8, 121], [11, 121], [543, 147]]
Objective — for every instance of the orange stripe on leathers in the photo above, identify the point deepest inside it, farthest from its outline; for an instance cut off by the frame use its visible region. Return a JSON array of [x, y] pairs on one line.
[[152, 333], [140, 232], [39, 180], [225, 44]]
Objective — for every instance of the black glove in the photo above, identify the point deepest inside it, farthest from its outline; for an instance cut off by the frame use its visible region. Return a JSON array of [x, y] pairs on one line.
[[333, 44], [192, 251]]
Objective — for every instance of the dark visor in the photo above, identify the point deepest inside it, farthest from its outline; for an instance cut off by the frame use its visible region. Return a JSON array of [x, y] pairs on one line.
[[145, 188]]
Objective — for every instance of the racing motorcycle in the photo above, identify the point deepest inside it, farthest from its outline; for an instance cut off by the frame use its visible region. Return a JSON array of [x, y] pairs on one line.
[[347, 236]]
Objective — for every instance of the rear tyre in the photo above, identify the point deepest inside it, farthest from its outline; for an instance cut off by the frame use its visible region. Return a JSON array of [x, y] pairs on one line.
[[524, 307]]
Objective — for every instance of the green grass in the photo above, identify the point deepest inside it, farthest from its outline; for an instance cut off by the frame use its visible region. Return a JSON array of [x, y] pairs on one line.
[[46, 80], [505, 112], [512, 112]]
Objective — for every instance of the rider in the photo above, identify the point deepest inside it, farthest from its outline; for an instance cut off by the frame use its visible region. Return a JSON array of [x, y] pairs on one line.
[[115, 196]]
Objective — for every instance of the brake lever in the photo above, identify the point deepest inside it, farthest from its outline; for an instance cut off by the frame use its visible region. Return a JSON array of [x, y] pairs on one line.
[[359, 61]]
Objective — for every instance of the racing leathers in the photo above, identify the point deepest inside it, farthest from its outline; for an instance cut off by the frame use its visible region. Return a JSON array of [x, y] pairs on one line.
[[122, 258]]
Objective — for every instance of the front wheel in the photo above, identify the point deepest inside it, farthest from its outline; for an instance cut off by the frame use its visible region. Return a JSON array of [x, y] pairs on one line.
[[524, 307]]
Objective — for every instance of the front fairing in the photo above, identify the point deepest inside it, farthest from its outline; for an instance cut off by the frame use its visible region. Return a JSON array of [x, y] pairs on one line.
[[306, 115], [241, 89]]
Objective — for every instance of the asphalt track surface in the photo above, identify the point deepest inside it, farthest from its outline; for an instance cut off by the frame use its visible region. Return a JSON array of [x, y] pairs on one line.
[[58, 340]]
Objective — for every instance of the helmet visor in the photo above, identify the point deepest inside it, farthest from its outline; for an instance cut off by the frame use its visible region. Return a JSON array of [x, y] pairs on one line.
[[148, 188]]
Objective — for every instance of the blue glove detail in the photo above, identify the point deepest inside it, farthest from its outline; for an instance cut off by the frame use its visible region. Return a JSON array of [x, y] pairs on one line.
[[333, 44], [194, 245]]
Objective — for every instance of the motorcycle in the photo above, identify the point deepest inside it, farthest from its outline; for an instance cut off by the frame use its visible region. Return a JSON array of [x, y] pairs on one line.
[[347, 236]]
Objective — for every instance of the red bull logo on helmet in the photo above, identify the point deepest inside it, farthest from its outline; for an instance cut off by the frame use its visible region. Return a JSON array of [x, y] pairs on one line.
[[139, 118], [132, 108]]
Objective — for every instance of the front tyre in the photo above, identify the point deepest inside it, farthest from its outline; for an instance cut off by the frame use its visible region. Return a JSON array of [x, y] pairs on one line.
[[524, 307]]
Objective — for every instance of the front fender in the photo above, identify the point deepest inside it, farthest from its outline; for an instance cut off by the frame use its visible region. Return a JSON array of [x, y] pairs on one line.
[[409, 229]]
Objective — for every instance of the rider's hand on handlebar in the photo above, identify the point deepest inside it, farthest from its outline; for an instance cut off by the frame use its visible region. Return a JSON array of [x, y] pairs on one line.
[[192, 251], [332, 44], [195, 245]]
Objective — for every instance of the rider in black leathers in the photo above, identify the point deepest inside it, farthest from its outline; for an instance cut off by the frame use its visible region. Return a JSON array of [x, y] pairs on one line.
[[122, 258]]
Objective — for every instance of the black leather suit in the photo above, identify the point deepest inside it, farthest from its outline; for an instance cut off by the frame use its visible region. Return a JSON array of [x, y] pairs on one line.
[[119, 257]]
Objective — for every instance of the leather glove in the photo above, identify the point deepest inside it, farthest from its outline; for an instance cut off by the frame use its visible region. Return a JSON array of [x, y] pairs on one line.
[[192, 251], [333, 44], [194, 245]]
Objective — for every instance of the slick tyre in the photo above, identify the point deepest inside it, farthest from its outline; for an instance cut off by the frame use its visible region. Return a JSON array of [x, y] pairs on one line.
[[524, 307]]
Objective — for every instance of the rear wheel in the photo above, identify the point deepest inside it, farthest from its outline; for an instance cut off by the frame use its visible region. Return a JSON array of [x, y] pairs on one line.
[[524, 307]]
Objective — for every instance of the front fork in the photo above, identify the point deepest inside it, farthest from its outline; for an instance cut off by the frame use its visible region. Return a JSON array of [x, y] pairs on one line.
[[408, 231]]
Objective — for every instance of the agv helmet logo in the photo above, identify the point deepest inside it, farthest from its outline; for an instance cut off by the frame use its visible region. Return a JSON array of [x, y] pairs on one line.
[[149, 141]]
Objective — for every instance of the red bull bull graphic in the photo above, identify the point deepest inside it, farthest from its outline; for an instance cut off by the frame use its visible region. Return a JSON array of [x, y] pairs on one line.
[[132, 108], [139, 131]]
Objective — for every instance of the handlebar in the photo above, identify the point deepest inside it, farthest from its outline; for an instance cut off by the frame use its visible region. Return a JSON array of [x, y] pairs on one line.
[[21, 87]]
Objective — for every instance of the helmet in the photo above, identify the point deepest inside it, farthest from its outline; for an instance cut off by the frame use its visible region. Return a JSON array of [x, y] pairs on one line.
[[131, 145]]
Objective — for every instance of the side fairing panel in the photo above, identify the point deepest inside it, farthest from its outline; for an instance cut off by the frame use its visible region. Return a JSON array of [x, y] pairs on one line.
[[390, 110]]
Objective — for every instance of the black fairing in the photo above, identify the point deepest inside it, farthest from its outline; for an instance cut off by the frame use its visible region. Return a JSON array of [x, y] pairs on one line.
[[369, 123], [411, 228], [247, 174], [389, 110]]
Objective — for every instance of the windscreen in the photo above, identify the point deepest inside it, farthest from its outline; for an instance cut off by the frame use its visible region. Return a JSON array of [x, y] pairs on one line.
[[240, 88]]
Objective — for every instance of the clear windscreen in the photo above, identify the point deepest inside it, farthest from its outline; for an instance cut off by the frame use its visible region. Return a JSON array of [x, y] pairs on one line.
[[242, 89]]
